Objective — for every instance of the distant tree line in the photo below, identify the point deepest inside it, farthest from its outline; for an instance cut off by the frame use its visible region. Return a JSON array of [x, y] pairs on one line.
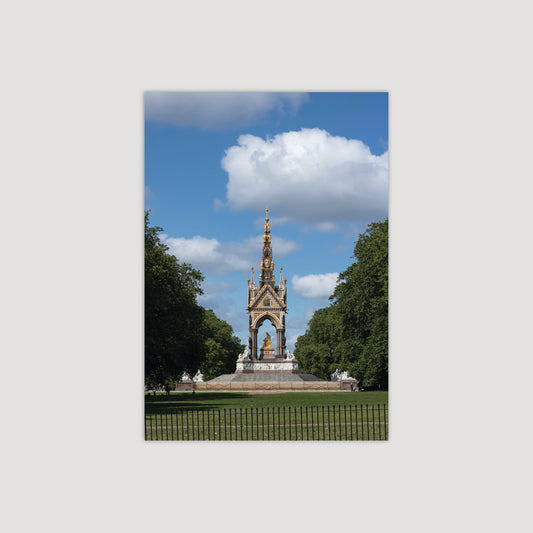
[[180, 335], [352, 333]]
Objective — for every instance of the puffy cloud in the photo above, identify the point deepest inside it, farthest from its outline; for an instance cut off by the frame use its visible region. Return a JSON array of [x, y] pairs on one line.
[[212, 110], [315, 285], [307, 176], [214, 256]]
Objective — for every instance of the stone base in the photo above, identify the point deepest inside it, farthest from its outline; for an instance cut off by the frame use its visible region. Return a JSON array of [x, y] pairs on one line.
[[265, 378], [275, 366]]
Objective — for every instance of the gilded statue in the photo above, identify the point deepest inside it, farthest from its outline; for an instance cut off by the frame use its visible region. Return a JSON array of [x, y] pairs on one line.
[[266, 343]]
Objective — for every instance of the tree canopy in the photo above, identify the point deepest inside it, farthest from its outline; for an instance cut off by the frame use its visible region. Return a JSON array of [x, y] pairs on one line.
[[174, 333], [352, 333], [222, 347], [318, 351], [180, 335]]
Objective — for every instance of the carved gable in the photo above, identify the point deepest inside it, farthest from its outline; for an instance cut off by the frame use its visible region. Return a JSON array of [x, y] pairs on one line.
[[267, 298]]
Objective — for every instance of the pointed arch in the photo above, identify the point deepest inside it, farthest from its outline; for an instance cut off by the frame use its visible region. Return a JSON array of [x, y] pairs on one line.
[[258, 322]]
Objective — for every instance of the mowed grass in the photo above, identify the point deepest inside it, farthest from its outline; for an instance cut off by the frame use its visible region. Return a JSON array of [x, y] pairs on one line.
[[272, 416], [223, 400]]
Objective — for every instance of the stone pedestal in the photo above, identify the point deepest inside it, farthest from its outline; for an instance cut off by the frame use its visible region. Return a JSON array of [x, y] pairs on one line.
[[267, 353]]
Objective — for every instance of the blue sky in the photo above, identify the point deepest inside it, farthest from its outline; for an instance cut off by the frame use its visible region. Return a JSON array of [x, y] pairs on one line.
[[214, 161]]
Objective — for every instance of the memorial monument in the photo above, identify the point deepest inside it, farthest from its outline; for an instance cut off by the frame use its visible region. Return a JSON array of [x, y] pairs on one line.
[[266, 301]]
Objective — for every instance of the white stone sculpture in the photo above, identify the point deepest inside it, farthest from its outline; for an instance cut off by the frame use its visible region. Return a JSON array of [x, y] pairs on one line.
[[186, 378], [290, 355], [272, 366], [340, 376], [244, 355]]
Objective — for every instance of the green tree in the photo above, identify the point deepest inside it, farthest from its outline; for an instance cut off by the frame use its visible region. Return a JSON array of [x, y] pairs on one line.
[[174, 322], [352, 333], [362, 303], [221, 347], [317, 351]]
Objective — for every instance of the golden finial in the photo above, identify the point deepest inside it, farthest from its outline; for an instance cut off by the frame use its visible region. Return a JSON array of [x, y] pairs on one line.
[[267, 225]]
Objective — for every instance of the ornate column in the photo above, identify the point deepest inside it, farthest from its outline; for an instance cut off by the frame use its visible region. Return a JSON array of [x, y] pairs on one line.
[[253, 333], [279, 343]]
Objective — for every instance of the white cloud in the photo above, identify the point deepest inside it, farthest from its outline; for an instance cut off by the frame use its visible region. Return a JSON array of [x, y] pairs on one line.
[[307, 176], [327, 227], [228, 310], [215, 298], [212, 110], [315, 285], [212, 291], [213, 256]]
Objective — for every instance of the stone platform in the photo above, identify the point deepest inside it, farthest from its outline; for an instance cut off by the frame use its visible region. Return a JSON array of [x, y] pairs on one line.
[[270, 377], [276, 372]]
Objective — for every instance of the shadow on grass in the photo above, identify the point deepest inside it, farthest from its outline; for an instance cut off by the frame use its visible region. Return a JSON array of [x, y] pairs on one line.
[[186, 401], [203, 401]]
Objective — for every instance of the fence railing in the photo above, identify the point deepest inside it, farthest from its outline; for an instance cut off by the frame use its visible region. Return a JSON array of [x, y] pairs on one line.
[[333, 422]]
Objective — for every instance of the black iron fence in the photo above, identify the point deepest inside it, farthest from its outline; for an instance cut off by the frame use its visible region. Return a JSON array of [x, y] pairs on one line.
[[333, 422]]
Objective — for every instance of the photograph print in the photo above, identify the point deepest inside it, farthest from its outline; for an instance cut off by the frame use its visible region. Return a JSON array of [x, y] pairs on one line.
[[266, 266]]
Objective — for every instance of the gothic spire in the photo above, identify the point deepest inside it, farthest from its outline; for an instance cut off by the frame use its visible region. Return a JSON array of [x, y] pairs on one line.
[[267, 264]]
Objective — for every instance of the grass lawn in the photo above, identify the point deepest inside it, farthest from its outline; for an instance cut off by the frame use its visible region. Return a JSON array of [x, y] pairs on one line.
[[273, 416], [223, 400]]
